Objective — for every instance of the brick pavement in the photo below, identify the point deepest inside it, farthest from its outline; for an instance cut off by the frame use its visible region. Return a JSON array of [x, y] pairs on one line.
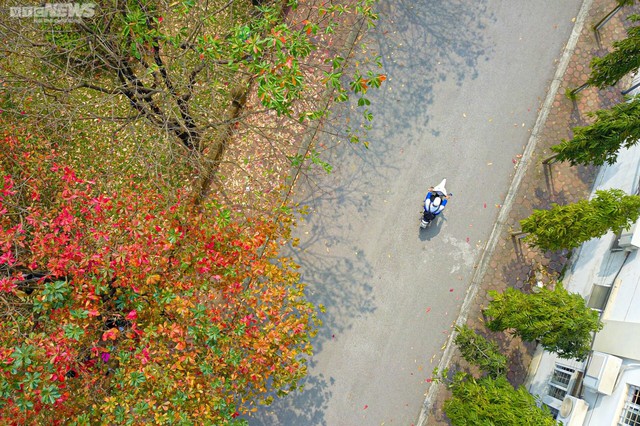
[[512, 263]]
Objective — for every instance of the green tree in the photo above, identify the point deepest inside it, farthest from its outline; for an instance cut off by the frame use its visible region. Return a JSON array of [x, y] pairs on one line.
[[559, 320], [160, 72], [493, 401], [566, 227], [623, 59], [481, 352], [599, 142], [614, 128]]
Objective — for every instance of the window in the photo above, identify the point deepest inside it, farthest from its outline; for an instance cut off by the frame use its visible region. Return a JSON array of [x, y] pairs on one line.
[[559, 383], [631, 413], [562, 376], [599, 296]]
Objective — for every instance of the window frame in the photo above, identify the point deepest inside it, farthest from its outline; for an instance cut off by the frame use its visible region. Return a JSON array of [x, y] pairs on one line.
[[631, 405], [560, 386]]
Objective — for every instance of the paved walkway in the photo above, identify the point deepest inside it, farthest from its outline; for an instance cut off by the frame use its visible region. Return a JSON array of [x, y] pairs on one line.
[[512, 263]]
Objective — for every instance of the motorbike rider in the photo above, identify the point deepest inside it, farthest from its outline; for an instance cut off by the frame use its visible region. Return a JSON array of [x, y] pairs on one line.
[[435, 201]]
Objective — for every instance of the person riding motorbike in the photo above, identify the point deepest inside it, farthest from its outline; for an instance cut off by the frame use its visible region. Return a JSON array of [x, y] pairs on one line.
[[434, 203]]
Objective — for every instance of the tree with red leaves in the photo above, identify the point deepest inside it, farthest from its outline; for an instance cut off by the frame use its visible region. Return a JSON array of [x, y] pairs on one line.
[[128, 306]]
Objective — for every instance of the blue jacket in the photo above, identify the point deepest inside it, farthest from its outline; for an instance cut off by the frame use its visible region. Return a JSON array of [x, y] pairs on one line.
[[429, 198]]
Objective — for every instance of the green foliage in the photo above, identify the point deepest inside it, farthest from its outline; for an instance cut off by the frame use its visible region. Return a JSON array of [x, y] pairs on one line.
[[600, 142], [493, 401], [560, 320], [624, 58], [566, 227], [481, 352], [185, 68]]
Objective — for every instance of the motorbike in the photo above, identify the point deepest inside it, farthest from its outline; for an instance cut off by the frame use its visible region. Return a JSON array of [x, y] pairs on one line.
[[427, 216]]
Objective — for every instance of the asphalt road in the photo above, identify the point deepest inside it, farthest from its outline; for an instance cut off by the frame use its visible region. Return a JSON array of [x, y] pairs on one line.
[[465, 83]]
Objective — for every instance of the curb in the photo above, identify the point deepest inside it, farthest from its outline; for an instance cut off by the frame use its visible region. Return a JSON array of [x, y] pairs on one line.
[[501, 222]]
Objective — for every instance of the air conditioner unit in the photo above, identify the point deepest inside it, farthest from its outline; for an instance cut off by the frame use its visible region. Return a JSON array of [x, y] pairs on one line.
[[629, 239], [602, 373], [573, 411]]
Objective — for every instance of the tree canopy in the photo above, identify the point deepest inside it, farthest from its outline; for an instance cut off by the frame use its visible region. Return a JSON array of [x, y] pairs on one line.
[[599, 142], [623, 59], [492, 401], [124, 305], [566, 227], [184, 66], [480, 352], [131, 292], [559, 320], [179, 81]]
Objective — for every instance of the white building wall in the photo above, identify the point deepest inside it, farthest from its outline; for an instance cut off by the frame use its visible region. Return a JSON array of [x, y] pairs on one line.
[[606, 410]]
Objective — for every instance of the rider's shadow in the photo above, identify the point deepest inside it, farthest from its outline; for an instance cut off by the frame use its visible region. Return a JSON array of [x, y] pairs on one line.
[[433, 229]]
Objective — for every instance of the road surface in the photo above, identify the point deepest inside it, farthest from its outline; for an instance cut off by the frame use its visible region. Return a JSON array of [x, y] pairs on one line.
[[465, 83]]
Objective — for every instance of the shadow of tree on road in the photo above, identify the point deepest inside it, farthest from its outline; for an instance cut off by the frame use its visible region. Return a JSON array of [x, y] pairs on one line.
[[420, 45], [305, 409]]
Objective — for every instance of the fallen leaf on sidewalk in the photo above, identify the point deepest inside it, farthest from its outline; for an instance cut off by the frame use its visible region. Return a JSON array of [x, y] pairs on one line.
[[365, 407], [428, 310]]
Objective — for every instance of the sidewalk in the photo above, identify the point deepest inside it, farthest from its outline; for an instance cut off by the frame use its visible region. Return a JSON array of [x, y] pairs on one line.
[[511, 263]]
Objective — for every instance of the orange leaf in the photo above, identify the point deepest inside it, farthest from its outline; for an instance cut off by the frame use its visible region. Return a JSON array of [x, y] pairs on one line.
[[111, 334]]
